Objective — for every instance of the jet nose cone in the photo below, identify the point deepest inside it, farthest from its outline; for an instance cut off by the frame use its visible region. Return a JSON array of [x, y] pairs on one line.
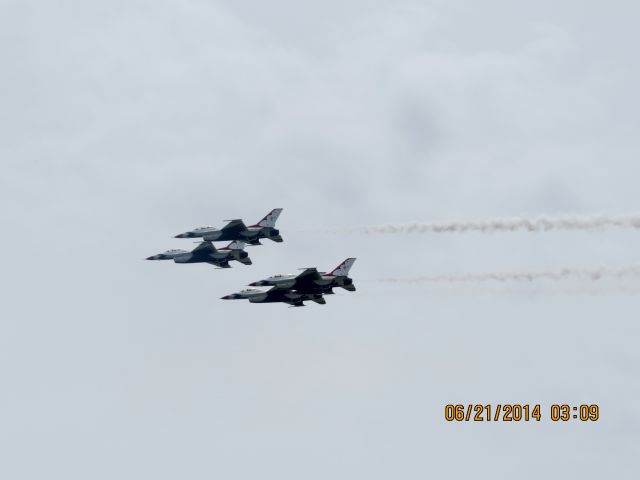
[[227, 297], [254, 284], [152, 257], [182, 235]]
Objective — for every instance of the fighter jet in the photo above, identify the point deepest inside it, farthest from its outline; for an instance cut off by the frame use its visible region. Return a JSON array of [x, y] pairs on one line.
[[311, 281], [207, 253], [237, 230], [276, 294]]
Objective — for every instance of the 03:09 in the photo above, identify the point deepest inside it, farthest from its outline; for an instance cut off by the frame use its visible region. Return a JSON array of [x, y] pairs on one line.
[[585, 413]]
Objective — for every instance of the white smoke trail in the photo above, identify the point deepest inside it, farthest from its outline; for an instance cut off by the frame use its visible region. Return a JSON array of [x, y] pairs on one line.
[[539, 224], [597, 273]]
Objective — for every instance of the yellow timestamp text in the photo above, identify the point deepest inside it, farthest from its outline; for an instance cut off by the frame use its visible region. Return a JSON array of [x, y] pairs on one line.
[[516, 412]]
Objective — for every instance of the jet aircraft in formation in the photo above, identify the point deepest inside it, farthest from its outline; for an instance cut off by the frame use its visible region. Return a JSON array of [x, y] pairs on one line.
[[296, 289], [237, 230], [207, 253], [293, 289]]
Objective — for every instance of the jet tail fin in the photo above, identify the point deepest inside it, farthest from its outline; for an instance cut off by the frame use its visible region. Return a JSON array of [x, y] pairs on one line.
[[343, 268], [270, 218], [236, 245]]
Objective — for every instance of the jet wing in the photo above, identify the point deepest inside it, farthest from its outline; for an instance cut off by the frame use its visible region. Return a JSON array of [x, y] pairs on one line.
[[204, 247], [234, 227], [305, 281], [284, 295], [220, 263]]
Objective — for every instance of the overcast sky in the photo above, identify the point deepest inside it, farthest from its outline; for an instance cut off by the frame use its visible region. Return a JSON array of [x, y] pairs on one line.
[[123, 123]]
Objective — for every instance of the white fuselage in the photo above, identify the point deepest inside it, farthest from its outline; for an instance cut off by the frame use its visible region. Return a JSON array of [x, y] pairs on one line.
[[181, 256], [289, 280]]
